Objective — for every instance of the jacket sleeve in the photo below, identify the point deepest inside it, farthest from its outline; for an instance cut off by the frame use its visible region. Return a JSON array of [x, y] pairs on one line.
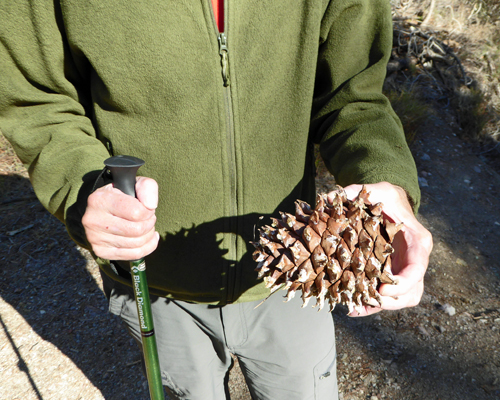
[[44, 109], [361, 138]]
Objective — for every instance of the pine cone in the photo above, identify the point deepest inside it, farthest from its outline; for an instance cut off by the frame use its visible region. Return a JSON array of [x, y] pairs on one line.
[[339, 252]]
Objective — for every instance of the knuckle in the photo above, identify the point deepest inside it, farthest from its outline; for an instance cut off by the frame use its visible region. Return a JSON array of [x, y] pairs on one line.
[[135, 254], [101, 252], [136, 243], [134, 230], [92, 200], [96, 198], [135, 214], [427, 239], [86, 220], [91, 238], [144, 250], [138, 229]]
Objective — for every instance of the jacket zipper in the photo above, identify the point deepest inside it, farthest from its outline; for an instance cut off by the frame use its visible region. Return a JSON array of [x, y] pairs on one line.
[[223, 58], [232, 225]]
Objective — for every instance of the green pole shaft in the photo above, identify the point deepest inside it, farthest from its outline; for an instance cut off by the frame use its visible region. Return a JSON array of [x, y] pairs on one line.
[[150, 351]]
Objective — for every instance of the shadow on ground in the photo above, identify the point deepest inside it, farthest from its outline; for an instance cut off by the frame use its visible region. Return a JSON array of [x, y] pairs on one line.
[[45, 278]]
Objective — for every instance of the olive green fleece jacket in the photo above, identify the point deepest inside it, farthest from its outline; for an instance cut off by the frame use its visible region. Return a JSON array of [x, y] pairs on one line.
[[226, 125]]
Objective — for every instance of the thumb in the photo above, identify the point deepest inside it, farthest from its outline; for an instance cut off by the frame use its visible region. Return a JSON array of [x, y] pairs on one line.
[[352, 191], [146, 190]]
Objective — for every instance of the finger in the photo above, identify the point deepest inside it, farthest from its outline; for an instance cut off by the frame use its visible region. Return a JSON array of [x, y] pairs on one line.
[[403, 287], [410, 275], [127, 207], [409, 299], [147, 192], [102, 223], [124, 254], [114, 202], [394, 302], [411, 267], [409, 270], [352, 191], [120, 241], [408, 278], [365, 311]]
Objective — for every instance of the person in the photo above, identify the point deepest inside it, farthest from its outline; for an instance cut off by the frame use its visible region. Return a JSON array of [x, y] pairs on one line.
[[225, 108]]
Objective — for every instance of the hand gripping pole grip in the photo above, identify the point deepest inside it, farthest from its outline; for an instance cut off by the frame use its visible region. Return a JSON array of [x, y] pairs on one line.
[[123, 171]]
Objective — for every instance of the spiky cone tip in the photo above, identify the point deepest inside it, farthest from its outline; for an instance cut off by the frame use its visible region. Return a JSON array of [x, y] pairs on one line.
[[336, 252]]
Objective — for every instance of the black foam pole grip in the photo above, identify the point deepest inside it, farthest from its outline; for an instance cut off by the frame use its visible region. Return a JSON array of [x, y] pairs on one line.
[[123, 172]]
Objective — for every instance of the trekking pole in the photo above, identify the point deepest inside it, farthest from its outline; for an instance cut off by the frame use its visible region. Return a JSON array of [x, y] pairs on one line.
[[123, 171]]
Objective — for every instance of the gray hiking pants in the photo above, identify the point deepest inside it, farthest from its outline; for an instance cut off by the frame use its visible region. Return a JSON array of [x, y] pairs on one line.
[[285, 352]]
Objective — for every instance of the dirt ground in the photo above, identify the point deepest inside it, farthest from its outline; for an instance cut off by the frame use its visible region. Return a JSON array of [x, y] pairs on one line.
[[57, 340]]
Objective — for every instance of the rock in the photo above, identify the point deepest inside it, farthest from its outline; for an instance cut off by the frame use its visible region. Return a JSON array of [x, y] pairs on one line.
[[422, 182], [450, 310], [440, 328], [461, 262], [425, 157], [369, 379], [423, 331]]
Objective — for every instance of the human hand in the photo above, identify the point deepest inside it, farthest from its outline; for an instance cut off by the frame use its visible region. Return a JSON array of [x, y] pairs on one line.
[[411, 248], [122, 227]]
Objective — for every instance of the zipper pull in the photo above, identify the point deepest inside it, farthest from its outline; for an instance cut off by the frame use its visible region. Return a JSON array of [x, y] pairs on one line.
[[223, 58]]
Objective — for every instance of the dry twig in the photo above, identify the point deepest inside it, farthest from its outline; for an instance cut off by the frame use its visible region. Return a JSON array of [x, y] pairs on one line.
[[425, 22]]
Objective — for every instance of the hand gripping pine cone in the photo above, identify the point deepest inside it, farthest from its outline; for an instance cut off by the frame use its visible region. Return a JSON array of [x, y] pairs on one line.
[[340, 252]]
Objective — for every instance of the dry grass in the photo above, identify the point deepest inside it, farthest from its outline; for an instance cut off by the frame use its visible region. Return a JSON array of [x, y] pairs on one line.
[[413, 110], [451, 63]]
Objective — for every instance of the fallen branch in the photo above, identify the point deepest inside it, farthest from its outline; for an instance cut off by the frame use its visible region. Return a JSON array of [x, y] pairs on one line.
[[15, 232], [425, 22]]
